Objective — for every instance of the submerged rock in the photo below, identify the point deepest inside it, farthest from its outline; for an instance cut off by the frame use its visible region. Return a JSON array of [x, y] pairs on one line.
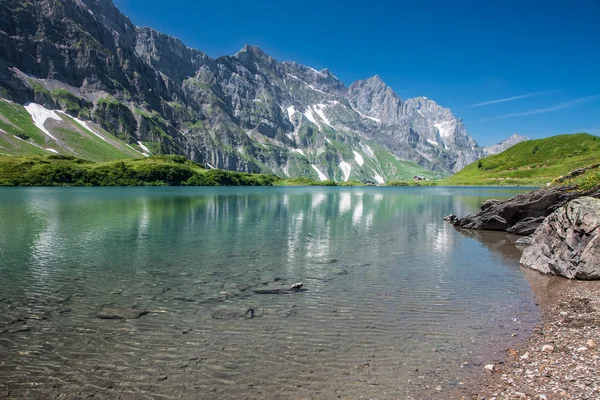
[[451, 218], [121, 313], [568, 242], [524, 241], [232, 312], [296, 287]]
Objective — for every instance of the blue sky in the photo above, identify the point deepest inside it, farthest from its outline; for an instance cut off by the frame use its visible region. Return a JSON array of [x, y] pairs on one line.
[[527, 67]]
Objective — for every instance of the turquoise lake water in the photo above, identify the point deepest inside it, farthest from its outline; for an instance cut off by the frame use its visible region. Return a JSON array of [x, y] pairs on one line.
[[398, 304]]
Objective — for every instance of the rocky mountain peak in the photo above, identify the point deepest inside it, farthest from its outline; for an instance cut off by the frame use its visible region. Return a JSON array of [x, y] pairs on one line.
[[254, 58], [375, 99], [167, 54], [107, 14], [505, 144]]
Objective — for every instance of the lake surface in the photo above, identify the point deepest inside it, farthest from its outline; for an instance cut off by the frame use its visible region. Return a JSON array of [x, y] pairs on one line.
[[398, 304]]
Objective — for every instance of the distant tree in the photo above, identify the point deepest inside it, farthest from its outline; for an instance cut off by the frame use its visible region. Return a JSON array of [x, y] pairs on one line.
[[479, 164]]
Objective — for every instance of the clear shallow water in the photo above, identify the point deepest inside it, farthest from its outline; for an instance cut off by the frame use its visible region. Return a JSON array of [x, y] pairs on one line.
[[398, 303]]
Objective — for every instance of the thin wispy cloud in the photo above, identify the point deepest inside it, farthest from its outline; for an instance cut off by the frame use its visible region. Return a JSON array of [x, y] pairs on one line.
[[523, 96], [557, 107], [407, 90]]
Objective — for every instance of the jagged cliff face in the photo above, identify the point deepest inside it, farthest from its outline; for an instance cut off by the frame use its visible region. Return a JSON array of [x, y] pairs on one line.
[[245, 112]]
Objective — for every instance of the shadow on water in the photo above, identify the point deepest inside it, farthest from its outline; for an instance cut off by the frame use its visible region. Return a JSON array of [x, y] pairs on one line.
[[544, 287]]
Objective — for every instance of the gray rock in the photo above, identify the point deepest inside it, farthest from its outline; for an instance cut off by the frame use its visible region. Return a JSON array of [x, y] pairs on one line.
[[450, 218], [524, 241], [526, 227], [281, 289], [232, 312], [489, 203], [121, 313], [568, 242], [521, 214]]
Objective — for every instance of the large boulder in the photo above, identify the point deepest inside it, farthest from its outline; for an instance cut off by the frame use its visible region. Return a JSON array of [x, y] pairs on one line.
[[523, 213], [567, 243]]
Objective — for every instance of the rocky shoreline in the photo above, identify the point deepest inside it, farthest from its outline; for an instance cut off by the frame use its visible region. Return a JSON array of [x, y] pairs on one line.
[[560, 360]]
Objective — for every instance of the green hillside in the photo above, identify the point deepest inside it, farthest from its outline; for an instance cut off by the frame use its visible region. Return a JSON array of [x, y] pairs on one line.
[[162, 170], [533, 162], [20, 136]]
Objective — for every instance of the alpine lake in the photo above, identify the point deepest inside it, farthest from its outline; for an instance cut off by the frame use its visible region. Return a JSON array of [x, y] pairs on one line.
[[180, 293]]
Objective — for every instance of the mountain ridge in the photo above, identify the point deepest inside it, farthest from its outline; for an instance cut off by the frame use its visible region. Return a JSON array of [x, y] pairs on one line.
[[245, 112]]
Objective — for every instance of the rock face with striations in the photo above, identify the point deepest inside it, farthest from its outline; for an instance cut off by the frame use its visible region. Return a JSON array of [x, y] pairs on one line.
[[567, 243], [246, 112]]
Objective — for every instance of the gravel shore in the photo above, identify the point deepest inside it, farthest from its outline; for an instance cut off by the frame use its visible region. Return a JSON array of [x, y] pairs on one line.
[[561, 359]]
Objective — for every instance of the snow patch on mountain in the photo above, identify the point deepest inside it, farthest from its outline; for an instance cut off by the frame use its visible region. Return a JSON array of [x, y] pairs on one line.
[[346, 169], [291, 111], [367, 149], [147, 150], [322, 176], [359, 158], [86, 125], [319, 110], [309, 115], [365, 116], [136, 150], [40, 115], [444, 128]]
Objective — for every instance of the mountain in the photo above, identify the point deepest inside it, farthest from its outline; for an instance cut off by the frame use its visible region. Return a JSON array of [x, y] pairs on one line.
[[504, 145], [532, 162], [90, 78]]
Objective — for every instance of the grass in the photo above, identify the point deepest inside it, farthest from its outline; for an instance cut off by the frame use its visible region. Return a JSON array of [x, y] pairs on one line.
[[533, 162], [583, 180], [20, 122], [91, 147], [162, 170]]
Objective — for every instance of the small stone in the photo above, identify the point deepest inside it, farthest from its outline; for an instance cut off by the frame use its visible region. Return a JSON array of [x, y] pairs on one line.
[[489, 367], [21, 329], [582, 348], [525, 356], [548, 348], [121, 313], [591, 344], [543, 397]]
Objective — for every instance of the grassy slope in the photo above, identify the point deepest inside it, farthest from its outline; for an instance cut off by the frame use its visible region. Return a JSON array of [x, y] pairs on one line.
[[534, 162], [73, 138], [583, 179], [58, 170]]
